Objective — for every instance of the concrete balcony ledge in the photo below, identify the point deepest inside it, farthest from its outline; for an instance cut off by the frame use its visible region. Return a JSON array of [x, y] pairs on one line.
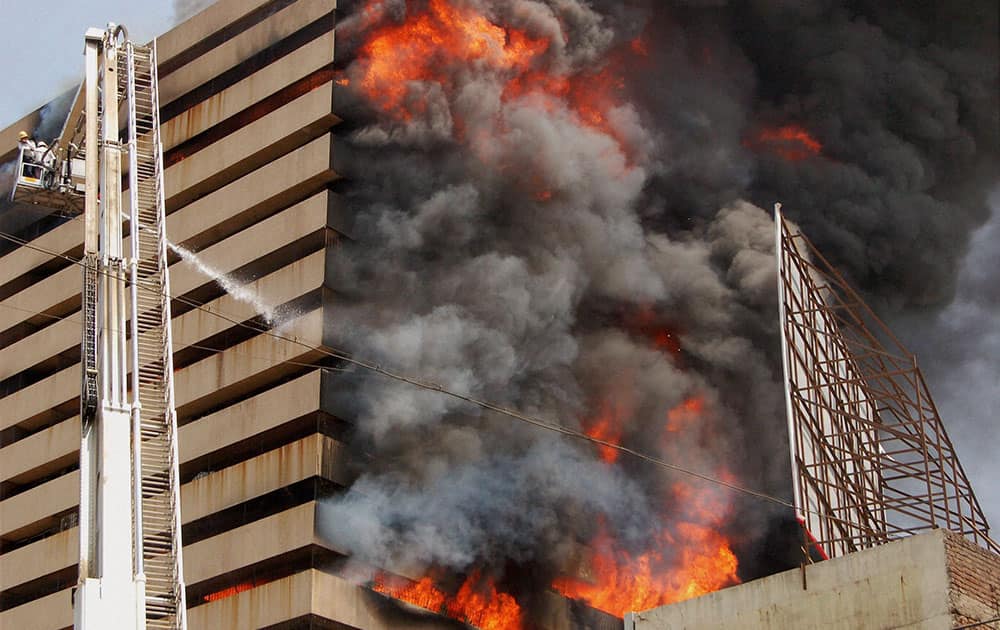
[[45, 452], [209, 21], [45, 613], [262, 141], [265, 82], [252, 364], [245, 419], [31, 512], [310, 592], [252, 543], [231, 52], [40, 558]]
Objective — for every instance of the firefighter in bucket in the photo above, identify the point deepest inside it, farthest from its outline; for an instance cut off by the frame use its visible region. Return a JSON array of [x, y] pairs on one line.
[[37, 160]]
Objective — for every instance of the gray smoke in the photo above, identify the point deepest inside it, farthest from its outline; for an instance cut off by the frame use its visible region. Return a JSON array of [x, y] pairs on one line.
[[183, 9], [904, 97], [958, 349], [53, 115], [507, 250]]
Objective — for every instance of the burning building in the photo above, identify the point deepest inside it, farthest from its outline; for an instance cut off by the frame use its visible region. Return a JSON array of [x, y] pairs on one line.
[[537, 210]]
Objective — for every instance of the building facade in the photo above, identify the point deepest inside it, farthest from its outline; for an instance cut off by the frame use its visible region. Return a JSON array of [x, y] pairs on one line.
[[247, 102]]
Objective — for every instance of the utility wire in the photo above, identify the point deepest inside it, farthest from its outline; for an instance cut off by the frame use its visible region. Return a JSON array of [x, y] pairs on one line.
[[977, 624], [430, 386], [186, 344]]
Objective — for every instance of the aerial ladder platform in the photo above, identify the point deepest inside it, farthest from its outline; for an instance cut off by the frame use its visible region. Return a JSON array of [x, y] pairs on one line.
[[107, 164]]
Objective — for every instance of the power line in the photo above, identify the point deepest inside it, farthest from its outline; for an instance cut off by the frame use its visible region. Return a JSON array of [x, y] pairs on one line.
[[430, 386], [187, 344], [977, 624]]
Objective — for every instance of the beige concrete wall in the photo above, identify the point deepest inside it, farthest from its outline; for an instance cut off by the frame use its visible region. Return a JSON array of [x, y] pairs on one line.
[[250, 544], [249, 365], [49, 296], [258, 190], [274, 185], [286, 284], [21, 511], [241, 47], [347, 604], [45, 613], [32, 404], [42, 453], [253, 89], [309, 457], [251, 147], [39, 558], [39, 347], [60, 240], [250, 417], [313, 455], [262, 606], [55, 447], [285, 180], [297, 222], [215, 17], [899, 585]]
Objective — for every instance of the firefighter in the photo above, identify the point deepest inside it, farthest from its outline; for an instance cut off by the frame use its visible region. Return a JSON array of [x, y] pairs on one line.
[[30, 155]]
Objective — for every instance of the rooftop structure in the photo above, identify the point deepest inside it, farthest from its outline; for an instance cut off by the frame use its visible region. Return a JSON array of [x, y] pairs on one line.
[[932, 581], [871, 459]]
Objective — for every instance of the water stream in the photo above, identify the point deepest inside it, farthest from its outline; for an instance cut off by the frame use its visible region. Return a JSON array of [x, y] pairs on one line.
[[242, 292]]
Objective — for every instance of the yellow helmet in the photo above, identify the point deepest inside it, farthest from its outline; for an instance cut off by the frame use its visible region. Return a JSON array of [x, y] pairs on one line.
[[23, 135]]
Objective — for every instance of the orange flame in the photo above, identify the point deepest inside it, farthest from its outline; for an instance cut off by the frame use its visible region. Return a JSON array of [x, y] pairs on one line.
[[480, 604], [477, 602], [422, 593], [685, 414], [444, 41], [645, 321], [790, 142], [423, 47], [692, 559], [608, 426], [235, 589], [639, 46]]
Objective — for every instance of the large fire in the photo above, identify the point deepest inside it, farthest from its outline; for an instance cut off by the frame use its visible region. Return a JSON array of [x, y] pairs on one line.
[[438, 46], [429, 45], [477, 602], [690, 558], [403, 69]]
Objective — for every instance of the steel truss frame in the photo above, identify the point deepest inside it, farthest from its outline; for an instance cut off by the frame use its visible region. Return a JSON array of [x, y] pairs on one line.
[[871, 459]]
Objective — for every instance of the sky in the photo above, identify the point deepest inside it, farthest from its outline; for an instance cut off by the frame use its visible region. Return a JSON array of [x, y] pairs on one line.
[[42, 43], [959, 347]]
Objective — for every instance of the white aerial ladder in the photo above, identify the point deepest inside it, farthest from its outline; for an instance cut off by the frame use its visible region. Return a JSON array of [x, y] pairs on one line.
[[130, 572]]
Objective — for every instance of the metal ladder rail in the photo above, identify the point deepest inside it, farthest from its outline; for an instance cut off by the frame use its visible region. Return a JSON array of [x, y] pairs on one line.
[[156, 442]]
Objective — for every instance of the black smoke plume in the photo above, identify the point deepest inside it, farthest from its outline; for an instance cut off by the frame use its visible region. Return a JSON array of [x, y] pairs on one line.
[[509, 249]]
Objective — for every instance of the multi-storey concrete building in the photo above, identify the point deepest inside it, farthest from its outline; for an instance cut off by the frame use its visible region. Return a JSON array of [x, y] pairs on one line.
[[247, 107]]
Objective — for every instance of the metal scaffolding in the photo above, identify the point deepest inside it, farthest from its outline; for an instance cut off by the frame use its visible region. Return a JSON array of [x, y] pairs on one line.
[[871, 459]]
